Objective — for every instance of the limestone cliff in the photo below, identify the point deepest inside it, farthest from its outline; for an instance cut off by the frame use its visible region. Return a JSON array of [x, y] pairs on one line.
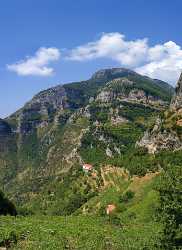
[[167, 131], [176, 103]]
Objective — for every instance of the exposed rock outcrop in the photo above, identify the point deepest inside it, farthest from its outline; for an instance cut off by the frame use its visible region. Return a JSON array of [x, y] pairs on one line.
[[123, 89], [108, 74], [158, 140], [176, 102], [165, 134]]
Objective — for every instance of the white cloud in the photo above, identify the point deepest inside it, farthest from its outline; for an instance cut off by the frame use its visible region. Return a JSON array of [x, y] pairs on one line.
[[163, 61], [114, 46], [38, 64]]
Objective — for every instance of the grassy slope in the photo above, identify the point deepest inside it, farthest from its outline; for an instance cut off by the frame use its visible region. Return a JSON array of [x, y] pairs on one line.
[[83, 232], [137, 229]]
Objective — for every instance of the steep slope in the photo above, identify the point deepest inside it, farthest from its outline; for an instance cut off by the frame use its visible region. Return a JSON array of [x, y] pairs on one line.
[[176, 103], [167, 132], [130, 226], [99, 120], [8, 151]]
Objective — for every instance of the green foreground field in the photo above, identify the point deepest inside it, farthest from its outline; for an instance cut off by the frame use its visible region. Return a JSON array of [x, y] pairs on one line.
[[132, 226], [76, 232]]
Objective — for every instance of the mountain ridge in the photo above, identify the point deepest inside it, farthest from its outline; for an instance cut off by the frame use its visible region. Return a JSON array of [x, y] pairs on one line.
[[100, 75], [90, 121]]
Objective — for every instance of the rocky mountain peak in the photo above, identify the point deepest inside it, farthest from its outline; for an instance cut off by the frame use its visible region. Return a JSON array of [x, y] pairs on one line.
[[176, 102], [106, 74]]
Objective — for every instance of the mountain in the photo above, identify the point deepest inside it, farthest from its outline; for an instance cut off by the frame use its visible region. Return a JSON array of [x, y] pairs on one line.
[[44, 144], [80, 149], [166, 134]]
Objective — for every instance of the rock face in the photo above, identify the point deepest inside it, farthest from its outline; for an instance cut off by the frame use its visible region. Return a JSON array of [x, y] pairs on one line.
[[41, 109], [109, 74], [156, 140], [166, 134], [176, 102], [123, 89]]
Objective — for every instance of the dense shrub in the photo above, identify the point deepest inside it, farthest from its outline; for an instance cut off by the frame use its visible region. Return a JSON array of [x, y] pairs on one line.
[[114, 219], [127, 196], [6, 206], [170, 189]]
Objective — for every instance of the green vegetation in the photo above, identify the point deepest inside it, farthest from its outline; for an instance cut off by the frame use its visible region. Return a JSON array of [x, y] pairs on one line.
[[6, 206], [137, 112], [127, 196], [77, 232], [132, 226], [170, 190], [72, 189], [151, 87], [119, 138]]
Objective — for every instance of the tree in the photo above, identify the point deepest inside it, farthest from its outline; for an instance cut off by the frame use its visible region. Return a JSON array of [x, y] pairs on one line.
[[170, 190], [6, 206]]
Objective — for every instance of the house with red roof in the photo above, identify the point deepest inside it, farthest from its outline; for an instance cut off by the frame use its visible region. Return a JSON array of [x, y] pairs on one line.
[[87, 167]]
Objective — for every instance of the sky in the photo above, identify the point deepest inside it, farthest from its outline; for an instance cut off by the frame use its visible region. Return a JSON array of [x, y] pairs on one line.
[[48, 42]]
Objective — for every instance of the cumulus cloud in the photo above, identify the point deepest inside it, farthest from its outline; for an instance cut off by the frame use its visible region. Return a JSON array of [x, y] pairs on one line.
[[37, 65], [163, 61], [114, 46]]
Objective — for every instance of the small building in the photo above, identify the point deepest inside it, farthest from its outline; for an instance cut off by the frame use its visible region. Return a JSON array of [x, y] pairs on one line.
[[87, 167], [110, 208]]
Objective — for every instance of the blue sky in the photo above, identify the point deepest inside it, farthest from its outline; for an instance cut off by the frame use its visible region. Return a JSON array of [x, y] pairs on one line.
[[46, 42]]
